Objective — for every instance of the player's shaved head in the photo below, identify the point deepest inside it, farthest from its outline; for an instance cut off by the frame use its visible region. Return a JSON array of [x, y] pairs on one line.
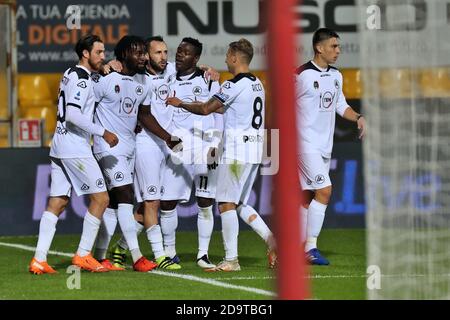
[[244, 48], [196, 44], [323, 34]]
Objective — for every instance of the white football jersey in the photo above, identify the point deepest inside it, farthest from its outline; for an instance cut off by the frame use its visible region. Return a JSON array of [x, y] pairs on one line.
[[193, 88], [243, 98], [319, 97], [118, 99], [75, 89], [158, 89]]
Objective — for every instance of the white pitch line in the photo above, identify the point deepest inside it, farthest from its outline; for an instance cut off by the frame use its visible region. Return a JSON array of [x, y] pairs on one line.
[[162, 273]]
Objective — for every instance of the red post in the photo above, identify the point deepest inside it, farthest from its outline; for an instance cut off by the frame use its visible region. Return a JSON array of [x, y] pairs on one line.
[[291, 274]]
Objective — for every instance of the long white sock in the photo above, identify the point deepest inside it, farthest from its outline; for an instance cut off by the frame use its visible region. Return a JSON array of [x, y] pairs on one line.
[[230, 232], [127, 224], [154, 236], [47, 228], [91, 225], [304, 219], [254, 220], [205, 225], [105, 233], [169, 224], [123, 243], [316, 215]]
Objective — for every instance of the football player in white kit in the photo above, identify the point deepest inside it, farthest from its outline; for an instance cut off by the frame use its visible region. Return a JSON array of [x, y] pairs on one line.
[[122, 98], [201, 137], [319, 97], [242, 100], [73, 165]]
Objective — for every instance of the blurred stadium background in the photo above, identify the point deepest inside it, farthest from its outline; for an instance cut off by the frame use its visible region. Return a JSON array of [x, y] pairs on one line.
[[39, 48]]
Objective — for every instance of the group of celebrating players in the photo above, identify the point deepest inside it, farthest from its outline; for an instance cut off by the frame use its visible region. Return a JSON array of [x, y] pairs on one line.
[[158, 128]]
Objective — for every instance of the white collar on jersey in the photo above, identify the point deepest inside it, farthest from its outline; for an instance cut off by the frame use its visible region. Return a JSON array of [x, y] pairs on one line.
[[321, 69]]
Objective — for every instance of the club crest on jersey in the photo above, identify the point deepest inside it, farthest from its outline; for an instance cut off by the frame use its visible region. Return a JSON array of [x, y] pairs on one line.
[[163, 92], [139, 90], [319, 179], [127, 105], [197, 91], [117, 88], [336, 83], [100, 183], [82, 84], [118, 176], [152, 190], [316, 85]]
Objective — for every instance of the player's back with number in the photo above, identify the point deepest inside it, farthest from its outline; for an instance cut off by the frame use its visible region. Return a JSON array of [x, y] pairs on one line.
[[244, 103], [70, 141]]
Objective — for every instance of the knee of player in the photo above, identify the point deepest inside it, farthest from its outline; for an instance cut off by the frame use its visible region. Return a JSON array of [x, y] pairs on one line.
[[102, 199], [323, 195], [204, 202], [57, 205]]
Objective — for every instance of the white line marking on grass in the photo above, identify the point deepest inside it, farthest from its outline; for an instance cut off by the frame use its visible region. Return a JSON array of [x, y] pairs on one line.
[[162, 273], [213, 282]]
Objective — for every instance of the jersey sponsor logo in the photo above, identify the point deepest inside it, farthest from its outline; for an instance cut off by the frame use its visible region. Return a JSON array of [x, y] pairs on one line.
[[316, 85], [100, 183], [118, 176], [327, 99], [252, 138], [128, 105], [163, 92], [197, 91], [84, 187], [319, 179], [139, 90], [117, 88], [82, 84], [227, 85], [152, 190]]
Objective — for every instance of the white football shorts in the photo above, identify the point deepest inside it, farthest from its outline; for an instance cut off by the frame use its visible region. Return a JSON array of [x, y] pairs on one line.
[[82, 174], [314, 171], [117, 169]]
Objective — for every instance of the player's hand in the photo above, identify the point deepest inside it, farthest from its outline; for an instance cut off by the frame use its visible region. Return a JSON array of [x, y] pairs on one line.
[[174, 101], [362, 127], [138, 129], [212, 158], [210, 73], [175, 144], [115, 65], [110, 138], [105, 69]]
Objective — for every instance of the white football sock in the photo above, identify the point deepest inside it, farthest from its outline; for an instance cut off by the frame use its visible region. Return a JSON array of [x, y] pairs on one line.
[[154, 236], [230, 232], [303, 222], [257, 224], [316, 215], [127, 224], [123, 243], [205, 225], [47, 228], [169, 224], [105, 232], [91, 225]]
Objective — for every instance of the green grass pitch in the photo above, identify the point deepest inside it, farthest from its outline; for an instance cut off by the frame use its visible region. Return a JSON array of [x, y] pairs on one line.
[[345, 278]]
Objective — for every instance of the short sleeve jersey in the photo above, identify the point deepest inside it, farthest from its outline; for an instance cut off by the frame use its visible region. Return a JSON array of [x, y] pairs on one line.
[[319, 97], [243, 98], [118, 99], [75, 90]]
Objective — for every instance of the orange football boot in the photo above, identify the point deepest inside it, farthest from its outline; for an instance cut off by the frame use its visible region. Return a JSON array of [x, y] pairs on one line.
[[37, 267], [88, 263], [144, 265], [108, 265]]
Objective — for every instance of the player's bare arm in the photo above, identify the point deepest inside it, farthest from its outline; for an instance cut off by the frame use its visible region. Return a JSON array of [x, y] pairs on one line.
[[352, 115], [211, 73], [146, 118], [201, 108]]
